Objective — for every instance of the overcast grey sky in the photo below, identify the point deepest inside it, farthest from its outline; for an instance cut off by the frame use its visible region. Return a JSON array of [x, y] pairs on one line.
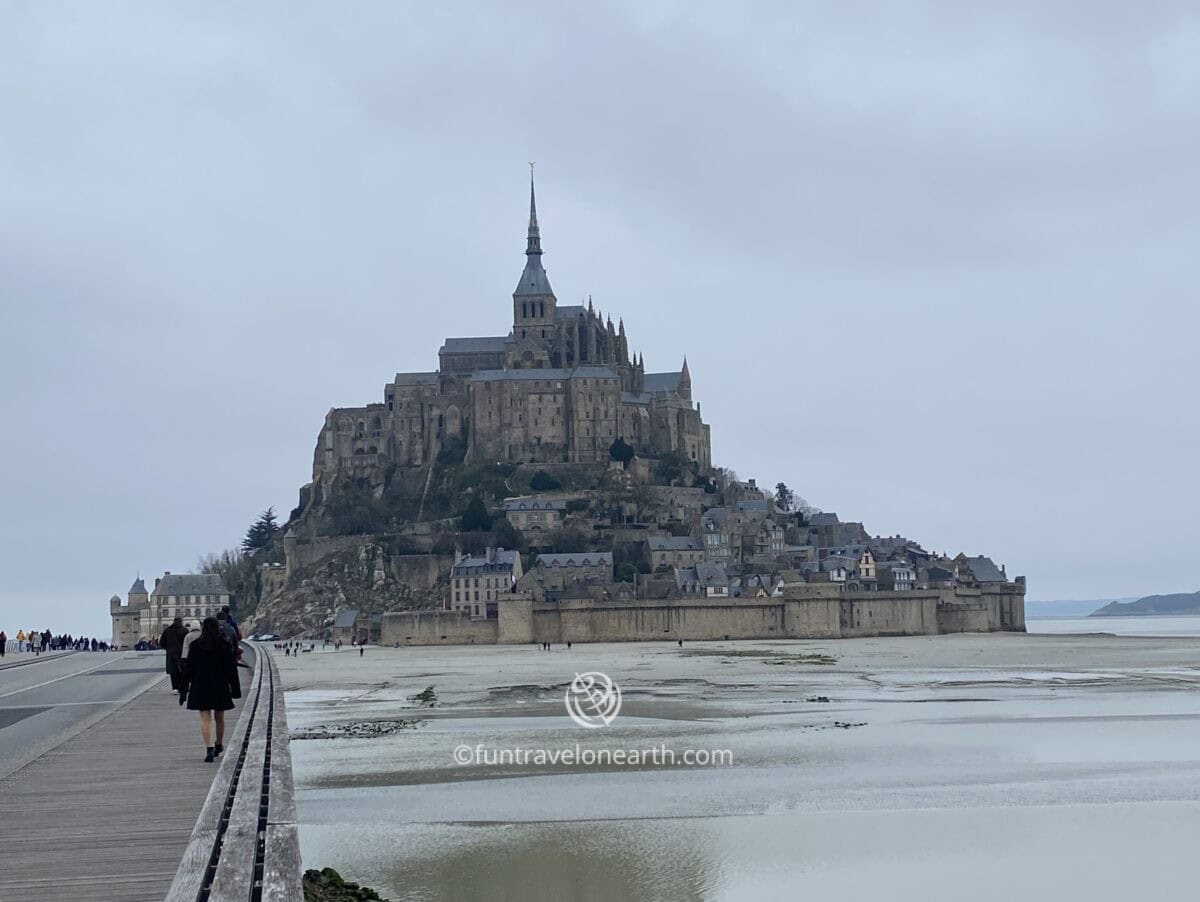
[[934, 265]]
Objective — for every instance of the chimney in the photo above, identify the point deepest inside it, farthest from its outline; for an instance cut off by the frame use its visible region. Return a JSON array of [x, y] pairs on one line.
[[156, 582], [491, 553]]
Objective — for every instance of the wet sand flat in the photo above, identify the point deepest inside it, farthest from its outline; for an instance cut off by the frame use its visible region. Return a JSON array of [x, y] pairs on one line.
[[1047, 751]]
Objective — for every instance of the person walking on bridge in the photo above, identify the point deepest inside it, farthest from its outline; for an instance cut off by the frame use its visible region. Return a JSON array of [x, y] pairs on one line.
[[172, 642], [212, 684]]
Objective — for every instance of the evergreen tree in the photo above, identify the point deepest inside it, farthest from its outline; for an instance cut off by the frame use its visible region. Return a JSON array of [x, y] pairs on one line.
[[262, 533], [476, 517], [544, 482], [783, 497], [621, 450]]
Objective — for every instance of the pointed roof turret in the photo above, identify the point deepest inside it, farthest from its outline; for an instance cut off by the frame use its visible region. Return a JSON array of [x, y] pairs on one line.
[[621, 330], [533, 280]]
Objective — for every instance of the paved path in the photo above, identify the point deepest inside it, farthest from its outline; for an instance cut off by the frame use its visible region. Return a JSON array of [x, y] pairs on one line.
[[108, 813], [20, 658], [45, 703]]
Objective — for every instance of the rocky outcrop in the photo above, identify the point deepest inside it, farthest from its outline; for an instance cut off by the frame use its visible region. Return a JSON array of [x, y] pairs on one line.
[[327, 885], [361, 575]]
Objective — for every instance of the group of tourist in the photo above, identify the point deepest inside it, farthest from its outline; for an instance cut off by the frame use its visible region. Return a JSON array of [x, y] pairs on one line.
[[39, 642], [202, 662], [294, 647]]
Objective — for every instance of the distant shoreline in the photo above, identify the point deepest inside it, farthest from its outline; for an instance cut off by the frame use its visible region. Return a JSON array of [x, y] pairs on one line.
[[1145, 614]]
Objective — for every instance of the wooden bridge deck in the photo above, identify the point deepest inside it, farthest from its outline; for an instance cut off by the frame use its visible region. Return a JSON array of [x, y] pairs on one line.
[[109, 813]]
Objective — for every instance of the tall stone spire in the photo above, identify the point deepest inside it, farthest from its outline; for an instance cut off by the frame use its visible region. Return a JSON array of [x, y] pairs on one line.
[[534, 282], [533, 243]]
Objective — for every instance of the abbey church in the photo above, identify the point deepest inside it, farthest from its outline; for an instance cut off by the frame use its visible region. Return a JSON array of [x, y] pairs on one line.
[[561, 386]]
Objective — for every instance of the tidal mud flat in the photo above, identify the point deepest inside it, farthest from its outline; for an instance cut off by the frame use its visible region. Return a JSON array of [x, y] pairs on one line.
[[1063, 765]]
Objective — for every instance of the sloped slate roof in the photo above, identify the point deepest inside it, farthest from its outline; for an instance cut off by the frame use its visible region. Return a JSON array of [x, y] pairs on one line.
[[474, 345], [528, 504], [985, 570], [534, 281], [138, 587], [504, 561], [569, 311], [752, 505], [191, 584], [709, 574], [655, 382], [584, 559], [415, 379]]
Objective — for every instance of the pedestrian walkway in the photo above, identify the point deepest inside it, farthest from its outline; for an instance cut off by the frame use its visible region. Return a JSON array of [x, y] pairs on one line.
[[19, 658], [108, 814]]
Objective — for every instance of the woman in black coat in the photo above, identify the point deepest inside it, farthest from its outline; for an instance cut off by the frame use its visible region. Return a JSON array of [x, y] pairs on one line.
[[212, 682], [171, 641]]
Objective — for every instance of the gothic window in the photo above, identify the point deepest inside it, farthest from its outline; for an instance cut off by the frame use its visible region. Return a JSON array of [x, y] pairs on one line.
[[542, 312]]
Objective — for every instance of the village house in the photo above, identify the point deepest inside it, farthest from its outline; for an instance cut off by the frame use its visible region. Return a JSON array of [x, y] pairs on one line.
[[534, 513], [703, 579], [192, 596], [943, 575], [719, 537], [768, 541], [896, 576], [674, 551], [477, 581], [861, 565], [557, 571]]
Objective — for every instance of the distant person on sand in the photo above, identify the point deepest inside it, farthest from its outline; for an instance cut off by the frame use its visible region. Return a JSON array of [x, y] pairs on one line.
[[3, 642], [212, 684], [172, 641]]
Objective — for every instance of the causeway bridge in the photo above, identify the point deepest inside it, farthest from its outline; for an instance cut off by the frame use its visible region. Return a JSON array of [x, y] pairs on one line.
[[104, 794]]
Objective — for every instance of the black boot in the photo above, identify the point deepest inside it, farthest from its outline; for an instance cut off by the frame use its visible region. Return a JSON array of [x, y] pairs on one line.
[[209, 757], [218, 748]]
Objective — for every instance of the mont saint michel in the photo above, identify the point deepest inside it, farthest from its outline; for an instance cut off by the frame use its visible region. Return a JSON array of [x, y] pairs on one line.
[[541, 485]]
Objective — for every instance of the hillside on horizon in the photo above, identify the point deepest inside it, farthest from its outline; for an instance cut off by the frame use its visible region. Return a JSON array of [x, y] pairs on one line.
[[1177, 603]]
